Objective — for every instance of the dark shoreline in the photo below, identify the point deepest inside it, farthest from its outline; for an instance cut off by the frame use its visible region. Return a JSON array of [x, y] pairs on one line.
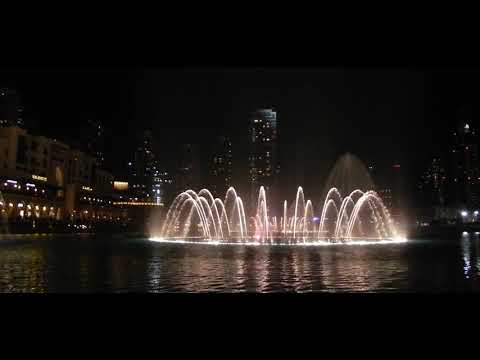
[[443, 231], [19, 236]]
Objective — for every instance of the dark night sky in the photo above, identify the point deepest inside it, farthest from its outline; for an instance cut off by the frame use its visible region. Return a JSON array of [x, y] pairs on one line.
[[384, 115]]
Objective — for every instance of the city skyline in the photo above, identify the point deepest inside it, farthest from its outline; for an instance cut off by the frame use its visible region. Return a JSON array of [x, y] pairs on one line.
[[319, 108], [228, 180]]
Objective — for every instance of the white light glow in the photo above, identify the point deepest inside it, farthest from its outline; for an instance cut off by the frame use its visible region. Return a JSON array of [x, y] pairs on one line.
[[397, 240], [298, 227]]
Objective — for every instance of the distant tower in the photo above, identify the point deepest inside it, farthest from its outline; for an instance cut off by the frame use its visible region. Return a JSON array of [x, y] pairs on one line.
[[221, 166], [466, 174], [11, 112], [144, 166], [145, 162], [263, 160], [188, 168], [94, 138], [432, 184]]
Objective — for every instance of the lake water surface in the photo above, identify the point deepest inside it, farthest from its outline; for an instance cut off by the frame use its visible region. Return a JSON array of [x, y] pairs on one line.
[[116, 264]]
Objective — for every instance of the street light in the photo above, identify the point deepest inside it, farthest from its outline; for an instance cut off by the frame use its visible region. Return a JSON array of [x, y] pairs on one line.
[[464, 213]]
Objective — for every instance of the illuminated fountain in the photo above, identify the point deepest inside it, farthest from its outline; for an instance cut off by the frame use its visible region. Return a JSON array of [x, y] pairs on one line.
[[359, 217]]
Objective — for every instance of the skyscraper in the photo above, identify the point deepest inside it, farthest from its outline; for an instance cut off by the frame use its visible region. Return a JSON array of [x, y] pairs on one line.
[[188, 168], [221, 166], [149, 180], [94, 137], [432, 184], [263, 160], [434, 200], [11, 112], [465, 165], [144, 166]]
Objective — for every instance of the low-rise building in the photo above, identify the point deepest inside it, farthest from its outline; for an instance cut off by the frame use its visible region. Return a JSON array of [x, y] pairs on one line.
[[45, 179]]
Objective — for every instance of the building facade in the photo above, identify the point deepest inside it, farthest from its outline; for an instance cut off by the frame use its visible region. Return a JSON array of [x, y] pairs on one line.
[[143, 166], [44, 179], [264, 166], [465, 167], [147, 180], [221, 167]]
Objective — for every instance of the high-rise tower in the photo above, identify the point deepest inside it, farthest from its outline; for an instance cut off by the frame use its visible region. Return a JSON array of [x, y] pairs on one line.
[[466, 174], [221, 166], [263, 161]]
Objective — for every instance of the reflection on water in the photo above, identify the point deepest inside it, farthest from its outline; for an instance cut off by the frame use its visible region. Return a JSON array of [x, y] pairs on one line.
[[470, 252], [466, 255], [23, 270], [82, 264]]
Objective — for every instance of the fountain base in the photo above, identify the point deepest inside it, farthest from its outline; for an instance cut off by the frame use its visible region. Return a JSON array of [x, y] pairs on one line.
[[279, 241]]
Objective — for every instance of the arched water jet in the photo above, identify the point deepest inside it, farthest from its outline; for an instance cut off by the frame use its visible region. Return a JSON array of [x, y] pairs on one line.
[[241, 215], [299, 193], [209, 215], [230, 197], [215, 215], [171, 212], [308, 215], [330, 203], [196, 198], [369, 195], [223, 218], [343, 211], [225, 221], [185, 199], [333, 192]]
